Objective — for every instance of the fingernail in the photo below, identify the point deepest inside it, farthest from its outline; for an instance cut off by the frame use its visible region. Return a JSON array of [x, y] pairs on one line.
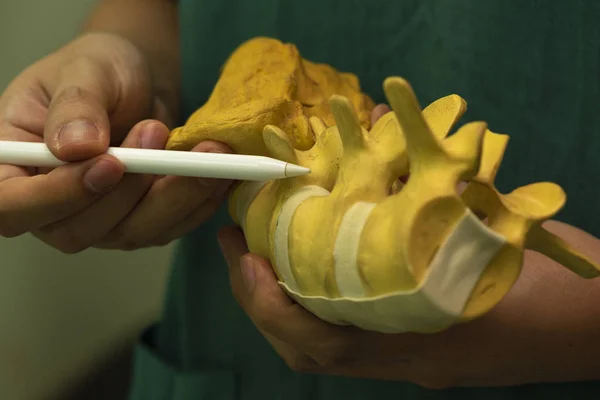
[[79, 131], [248, 274], [151, 137], [102, 176]]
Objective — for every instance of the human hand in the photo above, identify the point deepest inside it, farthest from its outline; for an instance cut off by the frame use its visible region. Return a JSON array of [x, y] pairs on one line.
[[95, 92], [544, 330]]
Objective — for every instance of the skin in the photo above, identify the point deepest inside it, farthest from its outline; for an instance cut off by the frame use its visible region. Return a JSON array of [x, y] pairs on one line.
[[116, 84], [545, 329]]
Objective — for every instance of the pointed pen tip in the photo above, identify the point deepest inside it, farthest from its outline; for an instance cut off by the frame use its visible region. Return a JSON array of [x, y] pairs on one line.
[[292, 170]]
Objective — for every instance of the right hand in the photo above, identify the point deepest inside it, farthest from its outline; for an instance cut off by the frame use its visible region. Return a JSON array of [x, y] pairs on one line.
[[95, 92]]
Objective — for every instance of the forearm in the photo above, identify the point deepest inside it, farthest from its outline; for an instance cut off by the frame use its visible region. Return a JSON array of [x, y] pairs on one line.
[[151, 25], [552, 316]]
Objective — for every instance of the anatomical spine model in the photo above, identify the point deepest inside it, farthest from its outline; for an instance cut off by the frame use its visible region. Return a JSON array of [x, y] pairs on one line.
[[350, 241]]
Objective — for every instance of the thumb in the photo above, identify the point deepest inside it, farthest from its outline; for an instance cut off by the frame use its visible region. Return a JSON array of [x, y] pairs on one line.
[[77, 126]]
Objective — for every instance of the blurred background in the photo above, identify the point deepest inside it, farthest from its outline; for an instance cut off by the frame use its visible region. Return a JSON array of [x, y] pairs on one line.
[[67, 322]]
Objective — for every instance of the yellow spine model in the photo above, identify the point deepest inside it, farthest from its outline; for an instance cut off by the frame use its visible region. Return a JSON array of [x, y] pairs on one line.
[[350, 241]]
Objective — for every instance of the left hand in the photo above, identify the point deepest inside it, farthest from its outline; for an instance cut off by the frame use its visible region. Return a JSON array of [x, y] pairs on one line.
[[544, 330]]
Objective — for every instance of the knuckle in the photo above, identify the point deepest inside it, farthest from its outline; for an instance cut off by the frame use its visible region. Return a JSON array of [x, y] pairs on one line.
[[74, 94], [83, 64], [9, 112]]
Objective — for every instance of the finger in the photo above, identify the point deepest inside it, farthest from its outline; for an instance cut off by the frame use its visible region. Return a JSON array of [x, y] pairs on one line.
[[233, 247], [179, 227], [274, 312], [82, 230], [212, 146], [255, 287], [172, 207], [398, 369], [12, 133], [379, 111], [194, 220], [271, 309], [28, 203], [78, 125], [298, 361], [24, 106], [333, 348]]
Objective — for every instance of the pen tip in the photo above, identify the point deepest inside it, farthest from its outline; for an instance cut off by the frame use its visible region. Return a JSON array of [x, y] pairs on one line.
[[292, 170]]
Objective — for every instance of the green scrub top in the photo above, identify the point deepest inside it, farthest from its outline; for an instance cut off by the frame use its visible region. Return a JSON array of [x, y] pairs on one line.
[[529, 68]]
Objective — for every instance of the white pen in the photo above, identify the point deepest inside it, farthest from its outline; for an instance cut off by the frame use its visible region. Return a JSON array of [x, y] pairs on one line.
[[164, 162]]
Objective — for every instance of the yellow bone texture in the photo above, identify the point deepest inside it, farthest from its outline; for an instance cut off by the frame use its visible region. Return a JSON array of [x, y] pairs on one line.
[[268, 82], [355, 245]]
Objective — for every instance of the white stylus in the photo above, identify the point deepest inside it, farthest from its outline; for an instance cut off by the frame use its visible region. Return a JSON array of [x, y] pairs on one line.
[[164, 162]]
